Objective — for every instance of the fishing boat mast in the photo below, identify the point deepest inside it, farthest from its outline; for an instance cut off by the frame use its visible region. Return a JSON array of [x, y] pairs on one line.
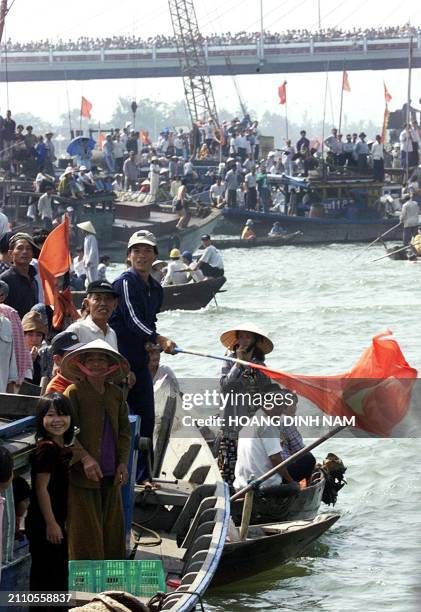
[[3, 13]]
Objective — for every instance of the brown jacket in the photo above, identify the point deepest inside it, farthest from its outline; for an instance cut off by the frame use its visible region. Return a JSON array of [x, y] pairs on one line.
[[90, 407]]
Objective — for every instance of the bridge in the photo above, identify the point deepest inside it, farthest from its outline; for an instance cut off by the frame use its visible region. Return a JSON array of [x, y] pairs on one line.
[[269, 58]]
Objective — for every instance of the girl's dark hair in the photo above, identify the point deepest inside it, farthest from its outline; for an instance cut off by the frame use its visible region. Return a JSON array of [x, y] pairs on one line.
[[6, 464], [257, 351], [63, 406]]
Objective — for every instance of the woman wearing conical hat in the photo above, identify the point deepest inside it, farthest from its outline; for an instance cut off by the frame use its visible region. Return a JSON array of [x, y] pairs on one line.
[[248, 343], [90, 251]]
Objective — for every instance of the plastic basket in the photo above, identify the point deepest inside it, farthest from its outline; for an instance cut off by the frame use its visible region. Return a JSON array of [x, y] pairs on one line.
[[142, 578]]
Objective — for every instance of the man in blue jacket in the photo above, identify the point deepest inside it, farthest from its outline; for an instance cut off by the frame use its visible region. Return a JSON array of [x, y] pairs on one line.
[[134, 321]]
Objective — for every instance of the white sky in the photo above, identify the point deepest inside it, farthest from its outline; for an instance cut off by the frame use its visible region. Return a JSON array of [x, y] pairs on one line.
[[37, 19]]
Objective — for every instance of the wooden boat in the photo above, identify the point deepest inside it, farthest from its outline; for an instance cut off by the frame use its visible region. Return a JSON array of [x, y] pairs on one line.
[[191, 296], [340, 209], [268, 546], [303, 506], [193, 508], [260, 241], [397, 253]]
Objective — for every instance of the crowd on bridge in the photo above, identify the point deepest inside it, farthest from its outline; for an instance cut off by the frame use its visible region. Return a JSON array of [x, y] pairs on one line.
[[84, 43]]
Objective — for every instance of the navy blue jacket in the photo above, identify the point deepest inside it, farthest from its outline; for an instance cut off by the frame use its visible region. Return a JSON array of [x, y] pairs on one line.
[[134, 320]]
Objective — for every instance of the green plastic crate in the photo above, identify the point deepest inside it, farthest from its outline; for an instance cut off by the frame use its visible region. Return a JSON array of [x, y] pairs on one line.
[[142, 578]]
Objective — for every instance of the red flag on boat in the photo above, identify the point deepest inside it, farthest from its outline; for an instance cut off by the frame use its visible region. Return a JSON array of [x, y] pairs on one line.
[[282, 93], [387, 96], [85, 108], [376, 391], [345, 82], [54, 263]]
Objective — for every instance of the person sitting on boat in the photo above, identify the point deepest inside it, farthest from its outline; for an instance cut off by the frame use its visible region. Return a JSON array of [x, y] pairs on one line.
[[248, 232], [262, 446], [216, 192], [195, 274], [409, 218], [96, 520], [416, 242], [176, 270], [210, 262], [160, 372], [158, 270], [276, 230]]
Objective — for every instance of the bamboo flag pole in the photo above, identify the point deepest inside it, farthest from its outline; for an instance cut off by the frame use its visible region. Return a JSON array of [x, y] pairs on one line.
[[342, 99]]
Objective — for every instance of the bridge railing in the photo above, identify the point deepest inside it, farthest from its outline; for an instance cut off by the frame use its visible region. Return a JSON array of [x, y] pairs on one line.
[[253, 50]]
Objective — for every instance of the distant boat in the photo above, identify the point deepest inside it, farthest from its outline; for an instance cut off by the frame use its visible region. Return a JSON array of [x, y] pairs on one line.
[[340, 209], [259, 241], [190, 296]]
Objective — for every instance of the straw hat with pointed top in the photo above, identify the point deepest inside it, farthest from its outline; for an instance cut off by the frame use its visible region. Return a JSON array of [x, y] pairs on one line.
[[229, 338], [87, 226], [70, 369]]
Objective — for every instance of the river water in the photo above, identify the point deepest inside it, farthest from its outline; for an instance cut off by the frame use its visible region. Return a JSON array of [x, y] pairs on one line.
[[321, 310]]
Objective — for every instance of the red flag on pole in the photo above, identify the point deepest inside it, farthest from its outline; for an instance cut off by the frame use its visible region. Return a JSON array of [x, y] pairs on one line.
[[54, 263], [376, 391], [282, 93], [345, 82], [85, 108], [387, 96]]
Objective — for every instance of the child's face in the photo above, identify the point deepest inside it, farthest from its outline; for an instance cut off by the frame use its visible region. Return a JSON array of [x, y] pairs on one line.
[[33, 338], [56, 424], [97, 363]]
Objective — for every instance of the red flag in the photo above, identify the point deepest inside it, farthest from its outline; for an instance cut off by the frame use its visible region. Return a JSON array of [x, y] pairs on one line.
[[282, 93], [54, 262], [376, 391], [345, 82], [144, 138], [85, 108], [387, 96]]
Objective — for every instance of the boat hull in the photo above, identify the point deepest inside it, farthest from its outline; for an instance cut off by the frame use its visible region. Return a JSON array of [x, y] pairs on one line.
[[265, 241], [278, 544], [315, 229], [191, 296]]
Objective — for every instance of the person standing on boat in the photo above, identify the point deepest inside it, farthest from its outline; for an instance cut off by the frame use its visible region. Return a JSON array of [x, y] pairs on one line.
[[263, 187], [23, 288], [90, 251], [410, 218], [231, 184], [154, 173], [405, 139], [303, 142], [130, 172], [361, 152], [287, 155], [348, 151], [377, 154], [416, 143], [210, 262], [134, 321], [250, 182]]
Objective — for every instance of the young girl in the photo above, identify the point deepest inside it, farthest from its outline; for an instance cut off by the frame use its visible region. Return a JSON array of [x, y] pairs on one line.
[[46, 519]]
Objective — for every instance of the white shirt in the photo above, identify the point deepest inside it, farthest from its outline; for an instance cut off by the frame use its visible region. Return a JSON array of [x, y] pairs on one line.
[[409, 213], [212, 256], [8, 369], [45, 208], [217, 190], [118, 149], [87, 331], [176, 273], [256, 444], [79, 266], [102, 272], [405, 141], [4, 224], [377, 150], [188, 168], [90, 251]]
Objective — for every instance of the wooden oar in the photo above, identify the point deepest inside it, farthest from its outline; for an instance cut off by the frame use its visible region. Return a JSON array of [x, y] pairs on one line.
[[374, 241], [275, 470], [405, 248]]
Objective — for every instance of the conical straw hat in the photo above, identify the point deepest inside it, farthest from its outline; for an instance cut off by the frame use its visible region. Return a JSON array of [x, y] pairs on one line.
[[229, 338], [70, 370], [87, 226]]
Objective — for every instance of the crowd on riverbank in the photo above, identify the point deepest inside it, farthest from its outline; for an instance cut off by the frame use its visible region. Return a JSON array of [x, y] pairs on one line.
[[84, 43]]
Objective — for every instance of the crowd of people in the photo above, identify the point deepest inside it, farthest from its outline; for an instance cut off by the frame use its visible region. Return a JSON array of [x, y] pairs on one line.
[[84, 43]]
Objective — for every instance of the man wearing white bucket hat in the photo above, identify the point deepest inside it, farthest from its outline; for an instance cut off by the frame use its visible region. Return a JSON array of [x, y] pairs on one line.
[[134, 321], [90, 251]]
